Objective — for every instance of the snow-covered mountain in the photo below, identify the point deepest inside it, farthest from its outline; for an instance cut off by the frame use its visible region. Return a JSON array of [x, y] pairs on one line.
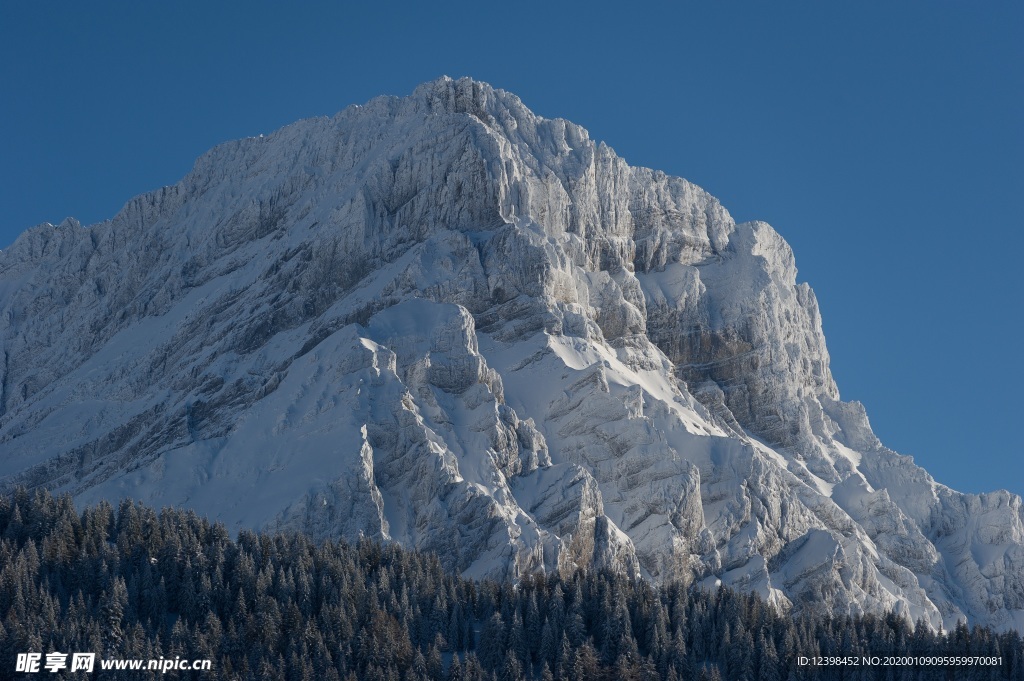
[[445, 321]]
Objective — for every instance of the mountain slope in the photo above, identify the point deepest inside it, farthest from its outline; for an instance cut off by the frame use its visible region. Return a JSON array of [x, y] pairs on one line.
[[446, 321]]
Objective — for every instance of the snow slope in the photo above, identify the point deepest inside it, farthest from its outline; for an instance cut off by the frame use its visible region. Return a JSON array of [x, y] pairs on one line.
[[445, 321]]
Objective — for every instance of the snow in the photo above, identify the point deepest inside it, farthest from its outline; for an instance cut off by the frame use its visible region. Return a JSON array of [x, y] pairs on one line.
[[445, 321]]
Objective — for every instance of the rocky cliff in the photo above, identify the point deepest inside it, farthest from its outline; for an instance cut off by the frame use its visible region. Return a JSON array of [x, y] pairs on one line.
[[445, 321]]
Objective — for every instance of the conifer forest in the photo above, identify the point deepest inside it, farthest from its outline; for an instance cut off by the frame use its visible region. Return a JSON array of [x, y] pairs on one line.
[[131, 582]]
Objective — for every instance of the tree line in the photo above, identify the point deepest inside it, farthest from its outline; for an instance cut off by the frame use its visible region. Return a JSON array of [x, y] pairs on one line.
[[134, 583]]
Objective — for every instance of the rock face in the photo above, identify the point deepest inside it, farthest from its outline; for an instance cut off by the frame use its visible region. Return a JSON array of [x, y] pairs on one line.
[[444, 321]]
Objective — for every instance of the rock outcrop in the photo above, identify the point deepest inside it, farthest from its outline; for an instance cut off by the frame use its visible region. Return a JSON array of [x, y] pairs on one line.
[[444, 321]]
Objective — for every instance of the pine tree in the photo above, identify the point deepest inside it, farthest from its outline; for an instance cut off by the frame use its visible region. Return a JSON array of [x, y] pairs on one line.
[[113, 605], [549, 649], [585, 663], [455, 669], [492, 644], [512, 669], [435, 669], [284, 606]]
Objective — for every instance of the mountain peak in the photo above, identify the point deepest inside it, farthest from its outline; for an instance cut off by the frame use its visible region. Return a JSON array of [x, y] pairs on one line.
[[463, 95], [444, 321]]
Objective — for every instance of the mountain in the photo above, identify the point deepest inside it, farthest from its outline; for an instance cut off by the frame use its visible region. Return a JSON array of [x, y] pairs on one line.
[[445, 321]]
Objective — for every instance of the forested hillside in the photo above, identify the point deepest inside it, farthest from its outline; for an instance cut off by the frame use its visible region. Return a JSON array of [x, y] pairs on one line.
[[134, 583]]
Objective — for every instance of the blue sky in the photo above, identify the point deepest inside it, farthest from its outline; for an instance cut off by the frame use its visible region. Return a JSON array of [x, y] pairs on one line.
[[884, 141]]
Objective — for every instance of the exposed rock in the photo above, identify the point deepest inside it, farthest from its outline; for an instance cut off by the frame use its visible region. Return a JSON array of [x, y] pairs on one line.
[[444, 321]]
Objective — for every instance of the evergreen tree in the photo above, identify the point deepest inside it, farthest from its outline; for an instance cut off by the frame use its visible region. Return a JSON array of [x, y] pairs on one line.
[[492, 644], [455, 669], [435, 668], [133, 583]]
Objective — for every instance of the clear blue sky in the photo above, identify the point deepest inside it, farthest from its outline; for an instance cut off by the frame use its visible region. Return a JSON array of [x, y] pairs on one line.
[[884, 140]]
